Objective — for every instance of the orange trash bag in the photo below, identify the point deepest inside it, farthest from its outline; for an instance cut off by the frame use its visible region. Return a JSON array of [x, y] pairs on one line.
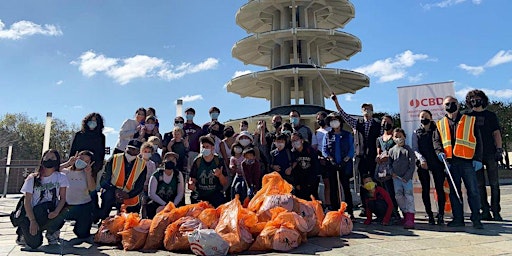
[[210, 217], [306, 210], [107, 232], [132, 220], [319, 214], [234, 225], [336, 223], [192, 210], [272, 184], [176, 234], [284, 232], [159, 223], [134, 238]]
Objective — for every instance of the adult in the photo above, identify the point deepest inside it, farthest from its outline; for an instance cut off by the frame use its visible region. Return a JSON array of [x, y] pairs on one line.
[[123, 180], [178, 122], [179, 145], [215, 132], [192, 132], [146, 151], [91, 137], [428, 161], [306, 132], [45, 197], [149, 129], [306, 170], [271, 136], [318, 144], [457, 139], [489, 127], [339, 151], [208, 175], [227, 143], [131, 129], [214, 115]]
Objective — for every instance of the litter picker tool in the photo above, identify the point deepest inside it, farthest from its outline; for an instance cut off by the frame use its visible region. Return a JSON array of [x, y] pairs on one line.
[[321, 76], [451, 180]]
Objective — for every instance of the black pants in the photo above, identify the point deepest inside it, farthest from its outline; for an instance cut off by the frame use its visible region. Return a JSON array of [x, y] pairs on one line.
[[345, 183], [378, 207], [41, 215], [439, 178], [151, 207], [83, 215], [494, 182], [108, 200], [390, 188], [366, 165]]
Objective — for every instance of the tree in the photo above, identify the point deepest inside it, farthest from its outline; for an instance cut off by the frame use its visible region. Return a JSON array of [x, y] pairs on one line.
[[26, 136]]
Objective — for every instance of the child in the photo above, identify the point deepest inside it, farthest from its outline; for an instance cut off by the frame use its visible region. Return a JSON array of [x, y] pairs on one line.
[[402, 161], [251, 172], [235, 167], [281, 159], [377, 200]]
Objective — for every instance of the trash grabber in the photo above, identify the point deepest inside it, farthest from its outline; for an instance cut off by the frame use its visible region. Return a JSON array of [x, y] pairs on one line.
[[339, 186], [451, 180], [321, 76]]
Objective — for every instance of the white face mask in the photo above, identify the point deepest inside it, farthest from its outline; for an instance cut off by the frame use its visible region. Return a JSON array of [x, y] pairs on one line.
[[129, 157], [155, 147], [206, 151], [179, 125], [334, 124], [399, 141], [80, 164], [245, 142], [297, 144], [146, 156], [238, 150], [279, 145]]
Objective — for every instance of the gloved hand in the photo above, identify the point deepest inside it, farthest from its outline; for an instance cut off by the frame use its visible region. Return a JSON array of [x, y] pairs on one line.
[[441, 156], [477, 165], [499, 155]]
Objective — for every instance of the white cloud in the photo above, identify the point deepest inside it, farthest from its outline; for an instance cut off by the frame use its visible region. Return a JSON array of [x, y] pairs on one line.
[[241, 73], [140, 66], [190, 98], [491, 93], [392, 69], [59, 82], [24, 28], [109, 130], [448, 3], [501, 57]]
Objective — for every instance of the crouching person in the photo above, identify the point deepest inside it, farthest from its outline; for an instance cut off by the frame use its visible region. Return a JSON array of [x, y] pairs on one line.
[[377, 201]]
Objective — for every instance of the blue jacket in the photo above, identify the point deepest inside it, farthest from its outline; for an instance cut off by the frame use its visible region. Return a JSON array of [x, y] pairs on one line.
[[347, 144]]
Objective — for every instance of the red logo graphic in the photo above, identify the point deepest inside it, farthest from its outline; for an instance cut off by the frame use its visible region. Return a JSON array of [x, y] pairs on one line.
[[425, 102]]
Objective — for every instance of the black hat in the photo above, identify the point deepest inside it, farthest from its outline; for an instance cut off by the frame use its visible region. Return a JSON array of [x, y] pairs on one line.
[[190, 110], [207, 139], [134, 144]]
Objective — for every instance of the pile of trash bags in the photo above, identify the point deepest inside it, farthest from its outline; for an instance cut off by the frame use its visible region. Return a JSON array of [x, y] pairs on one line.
[[272, 220]]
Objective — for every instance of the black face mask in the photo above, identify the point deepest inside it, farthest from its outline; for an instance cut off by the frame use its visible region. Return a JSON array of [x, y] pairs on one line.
[[49, 163], [387, 127], [425, 121], [476, 103], [169, 165], [451, 108], [321, 122], [229, 133], [276, 124]]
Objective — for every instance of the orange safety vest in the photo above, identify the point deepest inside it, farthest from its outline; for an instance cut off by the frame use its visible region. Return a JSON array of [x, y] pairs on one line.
[[118, 173], [465, 140]]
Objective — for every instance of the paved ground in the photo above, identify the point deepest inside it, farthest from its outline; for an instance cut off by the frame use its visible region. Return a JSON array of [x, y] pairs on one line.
[[494, 239]]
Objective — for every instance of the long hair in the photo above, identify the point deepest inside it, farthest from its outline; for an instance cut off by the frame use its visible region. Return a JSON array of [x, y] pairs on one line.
[[56, 167], [99, 123], [479, 93], [86, 153]]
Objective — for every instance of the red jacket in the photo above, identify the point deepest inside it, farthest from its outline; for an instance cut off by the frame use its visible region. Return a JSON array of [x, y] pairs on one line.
[[380, 194]]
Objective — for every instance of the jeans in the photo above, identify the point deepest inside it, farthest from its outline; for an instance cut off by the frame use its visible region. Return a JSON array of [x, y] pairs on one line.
[[492, 175], [41, 215], [462, 170], [439, 178], [404, 195], [83, 215]]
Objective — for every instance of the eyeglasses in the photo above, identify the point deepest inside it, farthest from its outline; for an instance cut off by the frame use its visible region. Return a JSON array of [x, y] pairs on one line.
[[179, 122]]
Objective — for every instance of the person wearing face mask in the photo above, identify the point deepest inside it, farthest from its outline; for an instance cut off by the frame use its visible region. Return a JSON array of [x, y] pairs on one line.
[[180, 146], [193, 132], [45, 197], [155, 143], [165, 185], [150, 129], [305, 173], [306, 132], [227, 143], [214, 115], [319, 139], [178, 122], [457, 140], [427, 162], [247, 173], [146, 151], [247, 141], [79, 205], [131, 129], [339, 151], [281, 159], [208, 175], [270, 137], [123, 180], [215, 132], [377, 201], [489, 127]]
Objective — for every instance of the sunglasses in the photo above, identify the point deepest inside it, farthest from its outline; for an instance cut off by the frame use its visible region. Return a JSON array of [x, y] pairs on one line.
[[179, 122]]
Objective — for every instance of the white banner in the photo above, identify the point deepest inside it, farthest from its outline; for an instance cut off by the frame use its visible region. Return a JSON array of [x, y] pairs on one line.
[[413, 99]]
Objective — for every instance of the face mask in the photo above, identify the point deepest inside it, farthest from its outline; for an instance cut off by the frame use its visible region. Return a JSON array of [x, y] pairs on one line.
[[150, 127], [289, 133], [335, 124], [214, 115], [129, 157], [276, 124], [249, 161], [279, 145], [399, 141], [476, 103], [189, 116], [245, 142], [425, 121], [92, 124], [49, 163], [451, 108], [387, 127], [155, 147], [179, 125], [146, 156], [297, 144], [229, 133], [238, 150], [80, 164], [369, 186], [367, 112], [294, 121], [321, 123], [206, 151], [169, 165]]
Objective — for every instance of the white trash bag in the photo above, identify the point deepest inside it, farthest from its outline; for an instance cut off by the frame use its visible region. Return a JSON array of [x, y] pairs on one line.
[[207, 242]]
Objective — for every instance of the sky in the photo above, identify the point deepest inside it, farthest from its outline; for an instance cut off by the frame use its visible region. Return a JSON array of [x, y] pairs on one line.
[[72, 58]]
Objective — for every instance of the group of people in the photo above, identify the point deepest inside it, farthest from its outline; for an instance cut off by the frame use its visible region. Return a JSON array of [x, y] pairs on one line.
[[148, 170]]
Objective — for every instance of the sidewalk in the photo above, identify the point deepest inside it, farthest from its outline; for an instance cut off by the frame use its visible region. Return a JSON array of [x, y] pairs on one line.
[[494, 239]]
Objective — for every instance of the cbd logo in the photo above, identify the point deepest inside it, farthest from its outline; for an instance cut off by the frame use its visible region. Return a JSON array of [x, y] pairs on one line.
[[425, 102]]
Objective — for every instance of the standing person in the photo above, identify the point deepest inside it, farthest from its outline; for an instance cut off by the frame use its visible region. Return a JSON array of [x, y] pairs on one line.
[[45, 197], [319, 139], [489, 127], [214, 115], [180, 146], [367, 130], [131, 129], [227, 143], [123, 180], [192, 132], [300, 128], [270, 137], [427, 161], [402, 161], [306, 170], [178, 122], [281, 159], [457, 139], [79, 204], [208, 175], [215, 132], [165, 185], [339, 149], [247, 178]]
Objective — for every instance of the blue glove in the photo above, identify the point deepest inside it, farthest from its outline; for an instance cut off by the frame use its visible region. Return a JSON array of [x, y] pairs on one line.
[[441, 156], [477, 165]]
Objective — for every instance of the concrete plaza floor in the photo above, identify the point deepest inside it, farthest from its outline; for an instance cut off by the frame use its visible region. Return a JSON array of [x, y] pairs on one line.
[[494, 239]]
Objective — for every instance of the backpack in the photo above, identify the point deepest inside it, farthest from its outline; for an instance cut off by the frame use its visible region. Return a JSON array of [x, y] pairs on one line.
[[198, 161], [19, 212]]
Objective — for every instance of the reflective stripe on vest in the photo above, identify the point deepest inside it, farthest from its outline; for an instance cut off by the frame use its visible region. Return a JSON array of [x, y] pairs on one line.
[[465, 140], [118, 173]]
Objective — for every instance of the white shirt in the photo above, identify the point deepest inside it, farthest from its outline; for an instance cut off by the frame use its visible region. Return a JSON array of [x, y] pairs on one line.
[[128, 129], [48, 190], [151, 167], [78, 192]]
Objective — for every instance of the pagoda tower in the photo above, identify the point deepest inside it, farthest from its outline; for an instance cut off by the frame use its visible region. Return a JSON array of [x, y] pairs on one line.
[[295, 40]]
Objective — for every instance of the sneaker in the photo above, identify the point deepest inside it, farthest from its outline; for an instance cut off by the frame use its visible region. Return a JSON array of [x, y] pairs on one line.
[[431, 220], [455, 223], [54, 238], [486, 215], [362, 213], [497, 217], [478, 225], [20, 240]]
